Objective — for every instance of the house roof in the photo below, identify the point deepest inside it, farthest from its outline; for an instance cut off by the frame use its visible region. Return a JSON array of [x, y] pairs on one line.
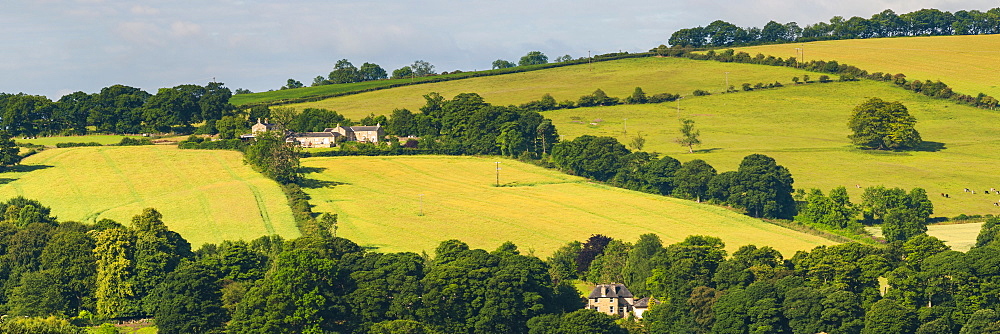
[[316, 134], [613, 290], [364, 128], [641, 303]]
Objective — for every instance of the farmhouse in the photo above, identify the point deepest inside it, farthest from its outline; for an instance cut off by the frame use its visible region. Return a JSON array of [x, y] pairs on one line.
[[329, 137], [370, 134], [615, 299]]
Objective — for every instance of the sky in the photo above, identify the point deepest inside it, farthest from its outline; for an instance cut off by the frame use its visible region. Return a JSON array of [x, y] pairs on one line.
[[56, 47]]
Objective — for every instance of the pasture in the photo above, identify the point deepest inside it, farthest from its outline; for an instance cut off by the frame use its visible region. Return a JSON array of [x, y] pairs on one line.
[[804, 128], [966, 63], [960, 237], [617, 78], [412, 203], [206, 196]]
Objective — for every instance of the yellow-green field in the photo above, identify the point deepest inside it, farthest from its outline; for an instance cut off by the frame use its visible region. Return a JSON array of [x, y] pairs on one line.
[[805, 129], [206, 196], [380, 200], [969, 64], [960, 237], [617, 78]]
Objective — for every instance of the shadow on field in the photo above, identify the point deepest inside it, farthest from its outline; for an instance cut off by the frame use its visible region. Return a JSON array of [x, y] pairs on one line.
[[316, 184], [28, 168], [707, 150], [310, 170], [929, 146], [6, 181]]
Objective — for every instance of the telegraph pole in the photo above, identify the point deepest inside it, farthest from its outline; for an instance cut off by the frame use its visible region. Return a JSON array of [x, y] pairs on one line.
[[590, 61], [498, 173], [421, 205], [727, 82], [625, 129]]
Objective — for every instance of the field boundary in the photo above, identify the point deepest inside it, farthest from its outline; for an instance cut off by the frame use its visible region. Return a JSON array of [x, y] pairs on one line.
[[451, 77]]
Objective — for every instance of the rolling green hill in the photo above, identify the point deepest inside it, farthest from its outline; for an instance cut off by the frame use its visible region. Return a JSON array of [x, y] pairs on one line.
[[966, 63], [617, 78], [206, 196], [805, 129], [380, 200]]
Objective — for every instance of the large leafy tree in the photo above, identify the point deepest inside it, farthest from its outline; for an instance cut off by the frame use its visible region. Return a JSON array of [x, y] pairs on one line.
[[882, 125], [594, 157], [370, 71], [296, 296], [190, 300], [889, 317], [344, 72], [533, 58], [273, 157], [760, 186], [8, 152], [692, 178], [501, 64]]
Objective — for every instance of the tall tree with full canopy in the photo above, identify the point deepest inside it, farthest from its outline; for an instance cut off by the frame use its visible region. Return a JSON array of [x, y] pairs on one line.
[[760, 186], [9, 153], [533, 58], [157, 252], [190, 300], [887, 316], [877, 124], [692, 178], [296, 296], [370, 71]]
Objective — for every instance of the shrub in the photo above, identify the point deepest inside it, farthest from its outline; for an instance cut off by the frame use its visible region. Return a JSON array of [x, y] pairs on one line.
[[62, 145], [699, 92], [134, 142]]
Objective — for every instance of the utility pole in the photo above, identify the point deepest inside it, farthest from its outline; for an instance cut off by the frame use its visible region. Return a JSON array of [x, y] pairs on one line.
[[679, 106], [421, 205], [590, 61], [625, 130], [498, 173], [727, 82]]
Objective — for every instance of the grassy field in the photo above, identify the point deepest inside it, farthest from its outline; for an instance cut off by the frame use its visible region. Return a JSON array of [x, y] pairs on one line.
[[206, 196], [380, 201], [961, 237], [617, 78], [805, 128], [52, 141], [968, 64]]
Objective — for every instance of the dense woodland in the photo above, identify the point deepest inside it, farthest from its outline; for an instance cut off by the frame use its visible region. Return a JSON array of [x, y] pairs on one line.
[[924, 22], [324, 284], [116, 109]]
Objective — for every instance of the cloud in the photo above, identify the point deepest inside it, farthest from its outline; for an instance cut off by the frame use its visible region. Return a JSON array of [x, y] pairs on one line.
[[184, 29], [141, 34], [144, 10]]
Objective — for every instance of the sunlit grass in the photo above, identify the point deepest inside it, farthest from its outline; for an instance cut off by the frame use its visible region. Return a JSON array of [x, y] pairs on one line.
[[206, 196], [412, 203]]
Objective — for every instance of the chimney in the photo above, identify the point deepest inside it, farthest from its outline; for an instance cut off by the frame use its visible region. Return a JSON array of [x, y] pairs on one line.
[[258, 120]]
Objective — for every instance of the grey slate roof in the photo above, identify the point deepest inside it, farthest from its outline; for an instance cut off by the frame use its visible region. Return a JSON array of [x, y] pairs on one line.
[[364, 128], [614, 290], [641, 303]]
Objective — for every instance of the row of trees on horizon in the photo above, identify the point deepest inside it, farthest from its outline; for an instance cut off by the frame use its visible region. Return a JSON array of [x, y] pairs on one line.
[[924, 22]]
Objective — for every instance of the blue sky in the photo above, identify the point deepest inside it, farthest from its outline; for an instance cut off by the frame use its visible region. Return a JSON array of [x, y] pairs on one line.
[[54, 47]]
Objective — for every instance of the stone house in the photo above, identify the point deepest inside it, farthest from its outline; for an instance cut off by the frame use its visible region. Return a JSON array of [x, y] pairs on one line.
[[371, 134], [317, 139], [615, 299], [329, 137]]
